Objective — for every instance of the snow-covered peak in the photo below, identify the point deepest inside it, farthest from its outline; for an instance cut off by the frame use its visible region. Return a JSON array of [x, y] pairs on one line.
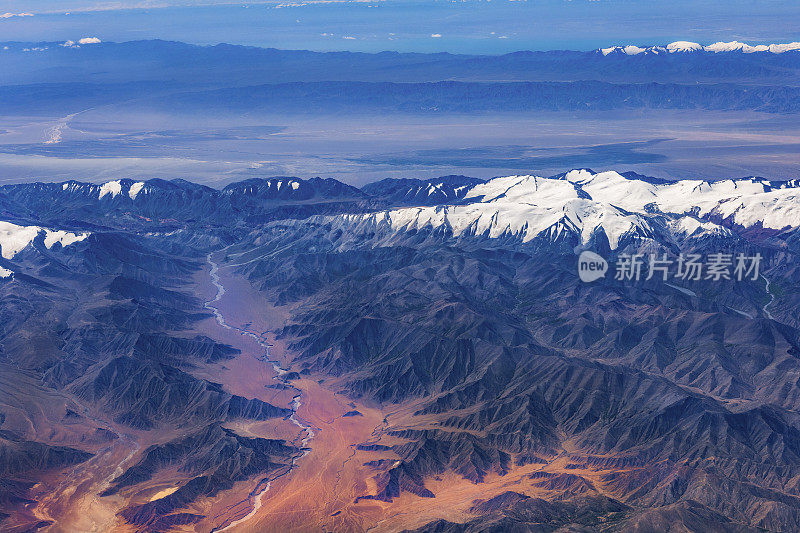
[[112, 187], [633, 50], [522, 189], [745, 202], [688, 46], [780, 48], [731, 47], [584, 204], [690, 226], [15, 238], [257, 186], [615, 189], [734, 46], [630, 50], [135, 189], [579, 175], [683, 46]]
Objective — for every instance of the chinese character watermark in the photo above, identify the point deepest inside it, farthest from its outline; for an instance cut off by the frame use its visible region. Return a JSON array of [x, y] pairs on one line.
[[687, 267]]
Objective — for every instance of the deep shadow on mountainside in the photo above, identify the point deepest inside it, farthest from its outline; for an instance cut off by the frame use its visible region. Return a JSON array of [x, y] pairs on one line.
[[605, 406]]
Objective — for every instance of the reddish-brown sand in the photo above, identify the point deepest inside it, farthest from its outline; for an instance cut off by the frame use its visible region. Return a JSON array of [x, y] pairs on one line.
[[320, 494]]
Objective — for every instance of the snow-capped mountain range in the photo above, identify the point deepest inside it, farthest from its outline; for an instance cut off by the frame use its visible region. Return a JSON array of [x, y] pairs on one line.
[[578, 207], [688, 46], [584, 203]]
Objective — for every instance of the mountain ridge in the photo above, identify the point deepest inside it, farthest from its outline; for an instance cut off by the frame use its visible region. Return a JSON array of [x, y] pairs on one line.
[[478, 359], [242, 65]]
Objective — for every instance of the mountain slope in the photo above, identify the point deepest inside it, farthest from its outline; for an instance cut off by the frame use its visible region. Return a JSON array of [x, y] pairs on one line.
[[419, 353]]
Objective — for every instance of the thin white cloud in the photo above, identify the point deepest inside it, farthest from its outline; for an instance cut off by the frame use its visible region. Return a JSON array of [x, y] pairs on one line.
[[348, 37], [83, 6], [11, 15], [84, 40]]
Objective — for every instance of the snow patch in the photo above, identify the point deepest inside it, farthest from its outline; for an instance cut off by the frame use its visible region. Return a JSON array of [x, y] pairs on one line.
[[632, 50], [112, 187], [684, 290], [133, 192], [691, 226], [15, 238], [64, 237]]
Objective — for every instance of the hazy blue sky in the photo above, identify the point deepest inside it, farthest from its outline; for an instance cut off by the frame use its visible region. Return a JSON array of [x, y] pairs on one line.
[[462, 26]]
